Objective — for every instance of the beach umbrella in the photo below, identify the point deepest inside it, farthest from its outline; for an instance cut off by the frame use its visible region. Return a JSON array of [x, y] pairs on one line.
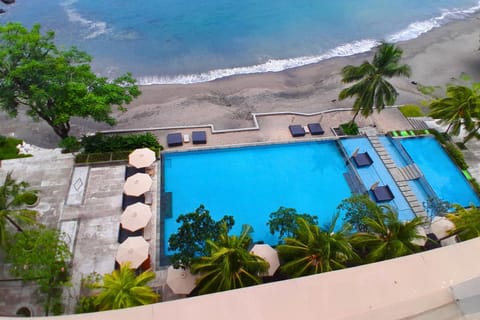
[[180, 280], [268, 254], [136, 216], [133, 250], [141, 158], [137, 184], [440, 227], [420, 241]]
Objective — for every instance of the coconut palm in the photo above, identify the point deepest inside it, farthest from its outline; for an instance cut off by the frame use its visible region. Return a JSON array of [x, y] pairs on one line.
[[388, 237], [459, 109], [12, 207], [123, 289], [466, 221], [229, 265], [312, 250], [371, 90]]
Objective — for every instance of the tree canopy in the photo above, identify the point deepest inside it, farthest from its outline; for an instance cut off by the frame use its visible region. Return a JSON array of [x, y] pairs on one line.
[[284, 221], [54, 84], [466, 221], [190, 239], [356, 208]]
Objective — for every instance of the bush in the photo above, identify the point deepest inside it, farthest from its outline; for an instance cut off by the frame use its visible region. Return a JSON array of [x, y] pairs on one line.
[[99, 157], [120, 155], [8, 148], [81, 158], [475, 185], [411, 110], [3, 141], [70, 144], [461, 145], [29, 198], [456, 155], [442, 137], [103, 143], [349, 128]]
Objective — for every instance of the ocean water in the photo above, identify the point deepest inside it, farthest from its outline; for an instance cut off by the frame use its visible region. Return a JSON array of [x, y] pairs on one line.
[[187, 41]]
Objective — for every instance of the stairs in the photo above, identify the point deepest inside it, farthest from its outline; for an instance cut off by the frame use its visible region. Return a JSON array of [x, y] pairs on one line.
[[417, 124]]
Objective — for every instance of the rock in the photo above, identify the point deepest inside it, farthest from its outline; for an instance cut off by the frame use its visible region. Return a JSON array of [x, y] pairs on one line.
[[8, 1]]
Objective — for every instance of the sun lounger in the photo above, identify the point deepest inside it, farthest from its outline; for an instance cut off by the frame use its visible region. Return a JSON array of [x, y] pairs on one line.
[[130, 171], [362, 159], [123, 234], [394, 133], [404, 133], [199, 137], [128, 200], [296, 130], [382, 193], [315, 129], [411, 133], [174, 139], [467, 174]]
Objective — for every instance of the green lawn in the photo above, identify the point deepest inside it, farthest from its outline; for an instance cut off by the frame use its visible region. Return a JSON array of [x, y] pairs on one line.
[[8, 148], [410, 110]]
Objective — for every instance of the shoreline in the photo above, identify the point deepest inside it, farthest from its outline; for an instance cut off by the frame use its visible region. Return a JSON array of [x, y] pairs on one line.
[[435, 58]]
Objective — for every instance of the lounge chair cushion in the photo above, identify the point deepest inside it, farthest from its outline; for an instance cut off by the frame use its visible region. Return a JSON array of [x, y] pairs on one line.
[[174, 139], [130, 171], [362, 159], [123, 234], [128, 200], [296, 130], [383, 193], [199, 137], [315, 129]]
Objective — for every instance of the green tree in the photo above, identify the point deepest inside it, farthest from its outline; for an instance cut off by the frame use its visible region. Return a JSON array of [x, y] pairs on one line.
[[388, 237], [189, 242], [41, 255], [124, 289], [55, 84], [460, 108], [371, 90], [466, 221], [312, 250], [356, 208], [284, 221], [229, 264], [13, 196]]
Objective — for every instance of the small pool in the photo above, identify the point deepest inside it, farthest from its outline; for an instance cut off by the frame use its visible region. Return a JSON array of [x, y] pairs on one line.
[[251, 182], [442, 174]]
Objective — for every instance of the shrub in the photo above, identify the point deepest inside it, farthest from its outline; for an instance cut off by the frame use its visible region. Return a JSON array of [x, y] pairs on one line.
[[70, 144], [461, 145], [98, 157], [3, 141], [81, 158], [103, 143], [411, 110], [29, 198], [8, 149], [442, 137], [456, 155], [349, 128], [475, 185], [120, 155]]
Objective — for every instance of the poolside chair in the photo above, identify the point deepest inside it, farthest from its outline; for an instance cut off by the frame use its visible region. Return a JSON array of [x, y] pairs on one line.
[[130, 171], [315, 129], [199, 137], [362, 159], [128, 200], [382, 193], [174, 139], [296, 130], [123, 234]]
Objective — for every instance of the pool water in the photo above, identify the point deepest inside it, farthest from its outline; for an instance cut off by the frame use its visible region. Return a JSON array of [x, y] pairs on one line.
[[249, 183], [442, 174]]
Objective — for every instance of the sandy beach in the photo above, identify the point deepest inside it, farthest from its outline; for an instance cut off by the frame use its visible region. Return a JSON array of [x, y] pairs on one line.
[[435, 58]]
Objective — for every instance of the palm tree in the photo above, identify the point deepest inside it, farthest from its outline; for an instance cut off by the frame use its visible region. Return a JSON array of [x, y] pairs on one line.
[[12, 203], [312, 250], [123, 289], [466, 221], [371, 89], [460, 108], [229, 265], [388, 237]]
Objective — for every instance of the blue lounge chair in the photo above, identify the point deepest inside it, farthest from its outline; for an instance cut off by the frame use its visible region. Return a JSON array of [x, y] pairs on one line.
[[174, 139], [315, 129], [382, 193], [362, 159], [130, 171], [199, 137], [296, 130]]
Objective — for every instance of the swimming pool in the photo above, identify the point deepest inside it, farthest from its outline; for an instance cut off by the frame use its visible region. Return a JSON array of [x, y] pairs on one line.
[[442, 174], [249, 183]]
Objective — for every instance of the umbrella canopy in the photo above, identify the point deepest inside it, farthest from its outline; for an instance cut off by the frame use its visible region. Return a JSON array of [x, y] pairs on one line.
[[440, 227], [141, 158], [268, 254], [420, 241], [136, 216], [180, 280], [133, 250], [137, 184]]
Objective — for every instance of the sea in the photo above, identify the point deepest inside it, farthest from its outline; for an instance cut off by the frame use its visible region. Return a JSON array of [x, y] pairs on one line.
[[190, 41]]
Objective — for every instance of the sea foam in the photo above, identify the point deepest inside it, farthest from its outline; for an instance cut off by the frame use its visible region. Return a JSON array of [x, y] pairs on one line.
[[95, 28]]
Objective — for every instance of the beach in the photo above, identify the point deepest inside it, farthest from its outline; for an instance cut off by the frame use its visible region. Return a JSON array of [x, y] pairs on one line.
[[435, 57]]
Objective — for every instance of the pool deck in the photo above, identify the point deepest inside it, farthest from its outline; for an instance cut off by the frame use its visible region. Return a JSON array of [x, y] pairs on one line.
[[92, 217]]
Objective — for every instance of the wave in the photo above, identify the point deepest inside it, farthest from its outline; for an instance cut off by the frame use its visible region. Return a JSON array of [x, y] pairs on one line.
[[414, 30], [95, 28]]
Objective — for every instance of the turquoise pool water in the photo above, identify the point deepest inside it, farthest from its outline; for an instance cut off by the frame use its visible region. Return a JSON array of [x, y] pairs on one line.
[[251, 182], [444, 177]]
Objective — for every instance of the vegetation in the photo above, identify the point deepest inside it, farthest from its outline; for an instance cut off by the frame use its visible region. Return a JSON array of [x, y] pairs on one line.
[[55, 84], [312, 250], [356, 209], [284, 221], [410, 110], [228, 264], [456, 155], [350, 128], [388, 237], [111, 143], [467, 222], [371, 90], [13, 197], [41, 255], [70, 144], [124, 289], [9, 150], [189, 242]]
